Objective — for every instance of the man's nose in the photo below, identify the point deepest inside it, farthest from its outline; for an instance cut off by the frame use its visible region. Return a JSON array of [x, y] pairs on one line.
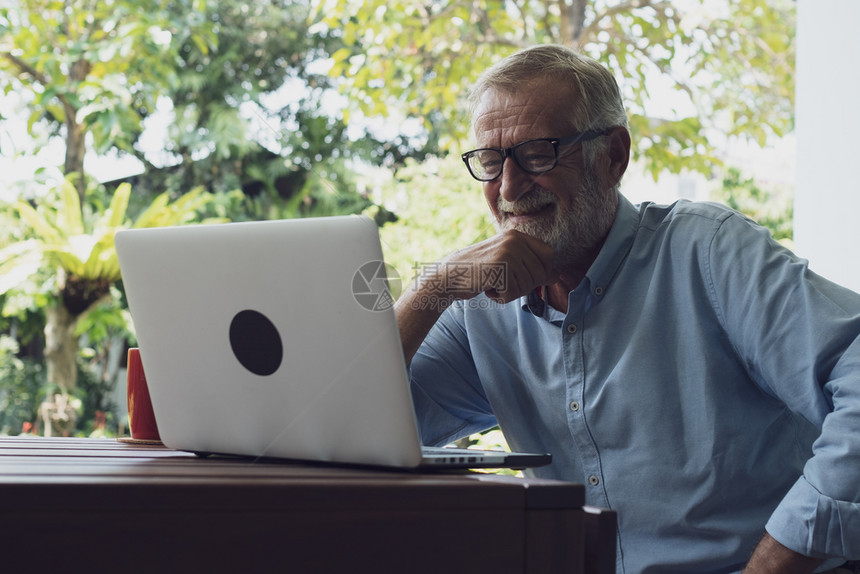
[[514, 182]]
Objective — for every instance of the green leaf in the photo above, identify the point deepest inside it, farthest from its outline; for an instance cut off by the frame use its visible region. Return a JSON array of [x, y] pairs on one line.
[[18, 262], [36, 222], [71, 211], [118, 205]]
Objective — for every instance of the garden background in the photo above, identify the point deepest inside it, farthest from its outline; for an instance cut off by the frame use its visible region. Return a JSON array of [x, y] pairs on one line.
[[164, 112]]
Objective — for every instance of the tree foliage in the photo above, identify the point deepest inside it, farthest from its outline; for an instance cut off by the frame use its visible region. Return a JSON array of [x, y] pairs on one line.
[[21, 387], [243, 109], [94, 67], [732, 62], [764, 204]]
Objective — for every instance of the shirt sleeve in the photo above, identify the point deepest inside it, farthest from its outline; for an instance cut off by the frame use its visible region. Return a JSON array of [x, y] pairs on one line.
[[799, 335], [450, 402]]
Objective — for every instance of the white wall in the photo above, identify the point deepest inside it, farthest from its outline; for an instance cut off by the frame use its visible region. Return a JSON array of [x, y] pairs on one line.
[[827, 195]]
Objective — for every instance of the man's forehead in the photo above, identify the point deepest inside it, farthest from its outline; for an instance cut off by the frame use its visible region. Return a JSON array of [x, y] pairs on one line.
[[533, 111]]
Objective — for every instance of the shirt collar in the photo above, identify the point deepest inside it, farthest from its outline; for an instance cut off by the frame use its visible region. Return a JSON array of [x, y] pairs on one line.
[[608, 261], [534, 302]]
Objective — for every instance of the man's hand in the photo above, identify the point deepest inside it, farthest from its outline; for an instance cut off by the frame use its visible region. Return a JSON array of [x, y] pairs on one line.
[[771, 557], [505, 267]]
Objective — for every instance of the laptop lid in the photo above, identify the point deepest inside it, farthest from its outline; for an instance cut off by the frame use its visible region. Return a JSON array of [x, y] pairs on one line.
[[273, 339]]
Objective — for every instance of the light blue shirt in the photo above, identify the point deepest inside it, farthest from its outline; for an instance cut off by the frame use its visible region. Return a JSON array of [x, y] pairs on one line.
[[704, 383]]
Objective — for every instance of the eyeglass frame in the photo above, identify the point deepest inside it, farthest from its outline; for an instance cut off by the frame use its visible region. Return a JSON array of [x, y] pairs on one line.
[[507, 152]]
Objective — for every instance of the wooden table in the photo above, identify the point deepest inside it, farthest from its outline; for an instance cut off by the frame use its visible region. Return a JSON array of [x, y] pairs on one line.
[[102, 505]]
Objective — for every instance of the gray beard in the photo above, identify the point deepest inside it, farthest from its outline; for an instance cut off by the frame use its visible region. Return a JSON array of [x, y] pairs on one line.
[[574, 233]]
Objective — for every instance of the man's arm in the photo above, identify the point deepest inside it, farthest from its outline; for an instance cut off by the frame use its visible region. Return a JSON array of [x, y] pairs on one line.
[[415, 317], [526, 263], [799, 333], [771, 557]]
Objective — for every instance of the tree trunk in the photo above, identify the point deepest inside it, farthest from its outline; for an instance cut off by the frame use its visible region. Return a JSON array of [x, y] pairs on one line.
[[61, 347], [572, 22], [75, 149], [76, 296], [75, 132], [58, 412]]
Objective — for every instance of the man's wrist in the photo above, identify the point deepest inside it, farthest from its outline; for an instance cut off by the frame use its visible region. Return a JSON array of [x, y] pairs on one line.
[[429, 293], [771, 557]]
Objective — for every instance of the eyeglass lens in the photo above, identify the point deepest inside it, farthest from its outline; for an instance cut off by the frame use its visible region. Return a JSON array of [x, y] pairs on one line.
[[535, 156]]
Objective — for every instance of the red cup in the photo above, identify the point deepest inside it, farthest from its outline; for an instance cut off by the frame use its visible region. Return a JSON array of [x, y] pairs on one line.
[[141, 419]]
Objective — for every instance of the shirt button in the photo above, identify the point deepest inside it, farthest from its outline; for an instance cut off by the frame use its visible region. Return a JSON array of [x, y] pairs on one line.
[[598, 291], [593, 480], [574, 406], [571, 329]]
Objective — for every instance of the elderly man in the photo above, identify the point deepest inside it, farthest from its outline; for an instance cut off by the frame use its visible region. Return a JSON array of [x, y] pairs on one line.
[[689, 370]]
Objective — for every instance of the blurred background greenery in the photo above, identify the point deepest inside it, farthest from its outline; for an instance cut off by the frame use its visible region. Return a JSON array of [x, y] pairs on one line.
[[128, 113]]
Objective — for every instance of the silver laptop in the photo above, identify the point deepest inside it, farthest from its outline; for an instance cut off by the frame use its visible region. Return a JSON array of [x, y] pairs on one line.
[[278, 339]]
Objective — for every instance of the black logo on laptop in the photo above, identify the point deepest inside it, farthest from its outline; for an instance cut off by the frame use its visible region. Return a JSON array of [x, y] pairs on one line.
[[373, 285], [256, 342]]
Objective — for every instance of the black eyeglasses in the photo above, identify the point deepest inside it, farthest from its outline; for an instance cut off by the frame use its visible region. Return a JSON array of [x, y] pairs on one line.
[[532, 156]]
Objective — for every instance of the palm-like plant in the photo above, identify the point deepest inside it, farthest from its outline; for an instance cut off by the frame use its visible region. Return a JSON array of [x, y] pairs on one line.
[[74, 247]]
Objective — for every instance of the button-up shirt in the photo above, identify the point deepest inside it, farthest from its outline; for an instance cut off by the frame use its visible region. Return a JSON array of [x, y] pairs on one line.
[[704, 383]]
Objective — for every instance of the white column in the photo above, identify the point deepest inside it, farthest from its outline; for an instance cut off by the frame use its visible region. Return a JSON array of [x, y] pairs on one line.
[[827, 195]]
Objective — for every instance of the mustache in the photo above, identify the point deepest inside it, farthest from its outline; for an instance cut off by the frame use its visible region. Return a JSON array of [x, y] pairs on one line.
[[531, 201]]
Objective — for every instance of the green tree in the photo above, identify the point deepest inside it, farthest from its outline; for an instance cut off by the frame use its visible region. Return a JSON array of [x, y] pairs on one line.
[[251, 111], [220, 127], [733, 60], [94, 67], [70, 245], [21, 388], [769, 206], [247, 100]]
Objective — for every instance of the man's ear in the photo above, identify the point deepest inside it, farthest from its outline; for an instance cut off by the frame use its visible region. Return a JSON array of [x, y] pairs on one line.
[[618, 152]]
